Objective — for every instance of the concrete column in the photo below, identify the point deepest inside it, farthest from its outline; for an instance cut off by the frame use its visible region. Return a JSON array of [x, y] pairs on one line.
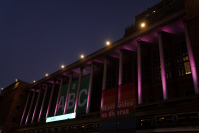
[[25, 108], [66, 100], [90, 90], [162, 63], [27, 118], [139, 61], [120, 67], [191, 58], [43, 101], [61, 83], [78, 90], [38, 97], [105, 73], [49, 105]]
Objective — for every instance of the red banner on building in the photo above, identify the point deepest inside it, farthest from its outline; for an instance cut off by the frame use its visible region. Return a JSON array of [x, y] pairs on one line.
[[126, 101]]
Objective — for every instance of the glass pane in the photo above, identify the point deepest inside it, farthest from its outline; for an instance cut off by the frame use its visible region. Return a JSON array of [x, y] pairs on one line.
[[167, 76], [187, 67], [185, 58]]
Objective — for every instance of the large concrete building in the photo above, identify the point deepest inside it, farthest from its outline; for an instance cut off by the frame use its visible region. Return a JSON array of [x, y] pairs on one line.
[[12, 103], [158, 56]]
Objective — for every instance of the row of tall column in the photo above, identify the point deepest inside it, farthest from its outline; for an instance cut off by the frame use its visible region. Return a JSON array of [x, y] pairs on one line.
[[139, 51], [162, 63], [57, 101]]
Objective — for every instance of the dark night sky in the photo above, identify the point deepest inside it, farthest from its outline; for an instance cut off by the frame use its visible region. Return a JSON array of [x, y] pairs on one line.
[[37, 37]]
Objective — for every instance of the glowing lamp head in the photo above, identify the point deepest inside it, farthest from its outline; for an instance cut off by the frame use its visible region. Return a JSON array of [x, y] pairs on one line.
[[47, 75], [82, 56], [33, 81], [107, 43], [142, 25], [62, 66], [1, 88]]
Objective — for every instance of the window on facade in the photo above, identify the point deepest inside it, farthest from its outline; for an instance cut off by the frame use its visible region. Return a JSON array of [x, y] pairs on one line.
[[187, 67], [17, 108], [14, 119], [136, 73], [110, 78], [168, 75], [189, 93], [156, 63], [176, 94], [97, 85], [151, 99], [126, 72], [182, 59], [161, 97], [145, 70], [167, 64], [21, 97], [144, 101]]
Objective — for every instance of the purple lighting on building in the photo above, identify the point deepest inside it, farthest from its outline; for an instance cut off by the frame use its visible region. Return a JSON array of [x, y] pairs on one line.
[[33, 114], [40, 113], [191, 58], [88, 100], [27, 118], [47, 112], [162, 63], [139, 72]]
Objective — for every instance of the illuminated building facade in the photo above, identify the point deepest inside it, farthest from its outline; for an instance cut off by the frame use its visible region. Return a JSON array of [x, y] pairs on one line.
[[159, 54]]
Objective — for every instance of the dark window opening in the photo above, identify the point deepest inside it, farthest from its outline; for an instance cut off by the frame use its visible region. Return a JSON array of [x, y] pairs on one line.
[[144, 101], [21, 97], [151, 99], [17, 108], [136, 73], [161, 98], [14, 119], [126, 77], [110, 78], [157, 70], [145, 70], [190, 93]]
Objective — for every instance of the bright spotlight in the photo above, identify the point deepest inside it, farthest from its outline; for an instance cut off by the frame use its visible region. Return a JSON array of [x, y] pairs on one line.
[[107, 43], [34, 81], [82, 56], [62, 66], [142, 24]]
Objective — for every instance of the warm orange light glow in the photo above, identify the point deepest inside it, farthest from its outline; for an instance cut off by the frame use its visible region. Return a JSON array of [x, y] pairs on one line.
[[34, 81], [142, 24], [62, 66], [82, 56], [107, 43], [1, 88], [47, 75]]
